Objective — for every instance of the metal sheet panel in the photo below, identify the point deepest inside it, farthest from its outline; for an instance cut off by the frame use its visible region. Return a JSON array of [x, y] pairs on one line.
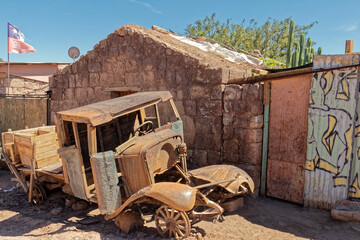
[[106, 181], [287, 137], [335, 61], [354, 183], [332, 114]]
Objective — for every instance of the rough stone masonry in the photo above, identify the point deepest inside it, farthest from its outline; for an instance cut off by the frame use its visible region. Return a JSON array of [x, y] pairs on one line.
[[221, 124]]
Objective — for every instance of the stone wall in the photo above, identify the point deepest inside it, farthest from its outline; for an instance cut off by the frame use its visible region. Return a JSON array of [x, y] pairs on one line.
[[148, 60], [242, 128], [19, 85]]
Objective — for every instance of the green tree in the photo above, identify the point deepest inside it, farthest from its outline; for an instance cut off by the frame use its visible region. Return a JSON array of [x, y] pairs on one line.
[[1, 60], [270, 38]]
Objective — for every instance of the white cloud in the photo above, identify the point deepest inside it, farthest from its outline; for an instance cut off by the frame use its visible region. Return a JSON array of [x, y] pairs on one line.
[[349, 27], [154, 10]]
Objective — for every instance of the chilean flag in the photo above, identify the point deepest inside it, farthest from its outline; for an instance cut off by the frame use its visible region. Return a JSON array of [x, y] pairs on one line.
[[16, 42]]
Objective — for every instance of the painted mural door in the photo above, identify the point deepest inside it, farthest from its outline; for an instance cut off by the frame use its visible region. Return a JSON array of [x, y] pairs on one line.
[[332, 162], [288, 127]]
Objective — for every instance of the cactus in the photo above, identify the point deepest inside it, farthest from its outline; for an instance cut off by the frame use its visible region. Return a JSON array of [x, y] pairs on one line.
[[319, 51], [301, 51], [296, 58], [290, 44], [312, 53], [292, 64], [309, 43], [306, 57]]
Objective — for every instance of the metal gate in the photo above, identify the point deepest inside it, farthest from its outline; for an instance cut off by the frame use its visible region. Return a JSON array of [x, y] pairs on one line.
[[288, 127]]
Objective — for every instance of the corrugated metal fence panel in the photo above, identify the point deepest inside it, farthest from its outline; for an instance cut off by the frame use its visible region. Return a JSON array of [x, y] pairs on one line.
[[354, 183], [17, 113], [287, 138], [332, 114]]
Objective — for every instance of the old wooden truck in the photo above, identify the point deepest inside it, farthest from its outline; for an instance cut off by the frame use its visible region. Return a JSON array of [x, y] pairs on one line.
[[128, 155]]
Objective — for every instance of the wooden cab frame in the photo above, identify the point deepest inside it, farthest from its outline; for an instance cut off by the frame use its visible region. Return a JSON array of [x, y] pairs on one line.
[[100, 127]]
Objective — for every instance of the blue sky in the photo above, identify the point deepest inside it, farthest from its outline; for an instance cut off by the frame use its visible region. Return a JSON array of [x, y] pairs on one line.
[[52, 26]]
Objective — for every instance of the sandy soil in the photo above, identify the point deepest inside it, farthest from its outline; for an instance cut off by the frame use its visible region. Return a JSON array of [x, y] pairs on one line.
[[261, 218]]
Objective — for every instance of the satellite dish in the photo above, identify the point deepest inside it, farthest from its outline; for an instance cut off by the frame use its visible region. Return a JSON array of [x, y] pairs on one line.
[[74, 53]]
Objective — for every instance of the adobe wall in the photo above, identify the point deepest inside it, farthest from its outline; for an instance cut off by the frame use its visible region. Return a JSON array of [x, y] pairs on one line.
[[133, 58], [19, 85], [243, 128]]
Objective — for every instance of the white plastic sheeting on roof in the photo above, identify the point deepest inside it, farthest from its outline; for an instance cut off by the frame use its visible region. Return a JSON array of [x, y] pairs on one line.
[[223, 52]]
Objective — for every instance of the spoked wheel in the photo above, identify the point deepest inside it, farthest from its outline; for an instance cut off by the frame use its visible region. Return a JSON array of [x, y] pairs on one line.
[[39, 194], [172, 223]]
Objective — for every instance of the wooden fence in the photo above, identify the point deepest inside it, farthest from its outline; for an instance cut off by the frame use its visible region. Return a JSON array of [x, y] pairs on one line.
[[21, 111]]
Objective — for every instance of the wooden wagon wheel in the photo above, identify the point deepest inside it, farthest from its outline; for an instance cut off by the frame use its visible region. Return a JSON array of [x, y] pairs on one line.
[[172, 223], [38, 194]]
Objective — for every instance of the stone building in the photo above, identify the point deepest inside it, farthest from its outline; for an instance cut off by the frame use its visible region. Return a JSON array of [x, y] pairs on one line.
[[222, 124]]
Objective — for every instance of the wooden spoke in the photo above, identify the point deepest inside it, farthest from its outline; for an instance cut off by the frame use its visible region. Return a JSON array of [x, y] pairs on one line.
[[167, 212], [163, 214], [181, 227], [177, 216], [180, 232], [172, 223]]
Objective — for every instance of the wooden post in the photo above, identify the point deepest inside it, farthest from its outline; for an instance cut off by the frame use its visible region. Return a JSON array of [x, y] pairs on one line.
[[32, 173], [349, 47], [265, 138], [92, 144]]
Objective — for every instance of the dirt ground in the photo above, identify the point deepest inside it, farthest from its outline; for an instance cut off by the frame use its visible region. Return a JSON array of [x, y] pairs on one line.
[[261, 218]]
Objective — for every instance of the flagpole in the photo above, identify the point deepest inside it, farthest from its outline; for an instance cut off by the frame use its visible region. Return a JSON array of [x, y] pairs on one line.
[[8, 57], [8, 66]]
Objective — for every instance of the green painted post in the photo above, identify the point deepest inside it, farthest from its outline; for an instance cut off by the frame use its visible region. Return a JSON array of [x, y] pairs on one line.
[[265, 138]]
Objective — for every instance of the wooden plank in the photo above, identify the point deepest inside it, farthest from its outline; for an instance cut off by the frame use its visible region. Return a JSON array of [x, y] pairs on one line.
[[349, 46], [76, 135], [45, 155], [260, 71], [46, 148], [9, 149], [53, 168], [91, 131], [157, 114], [47, 161], [101, 141], [80, 160], [75, 169], [265, 146], [175, 109], [45, 138], [60, 132], [123, 89], [28, 139]]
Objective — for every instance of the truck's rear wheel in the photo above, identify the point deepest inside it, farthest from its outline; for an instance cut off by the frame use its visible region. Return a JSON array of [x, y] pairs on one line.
[[172, 223]]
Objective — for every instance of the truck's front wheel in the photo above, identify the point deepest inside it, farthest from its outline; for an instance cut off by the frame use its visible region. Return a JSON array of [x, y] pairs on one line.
[[172, 223]]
